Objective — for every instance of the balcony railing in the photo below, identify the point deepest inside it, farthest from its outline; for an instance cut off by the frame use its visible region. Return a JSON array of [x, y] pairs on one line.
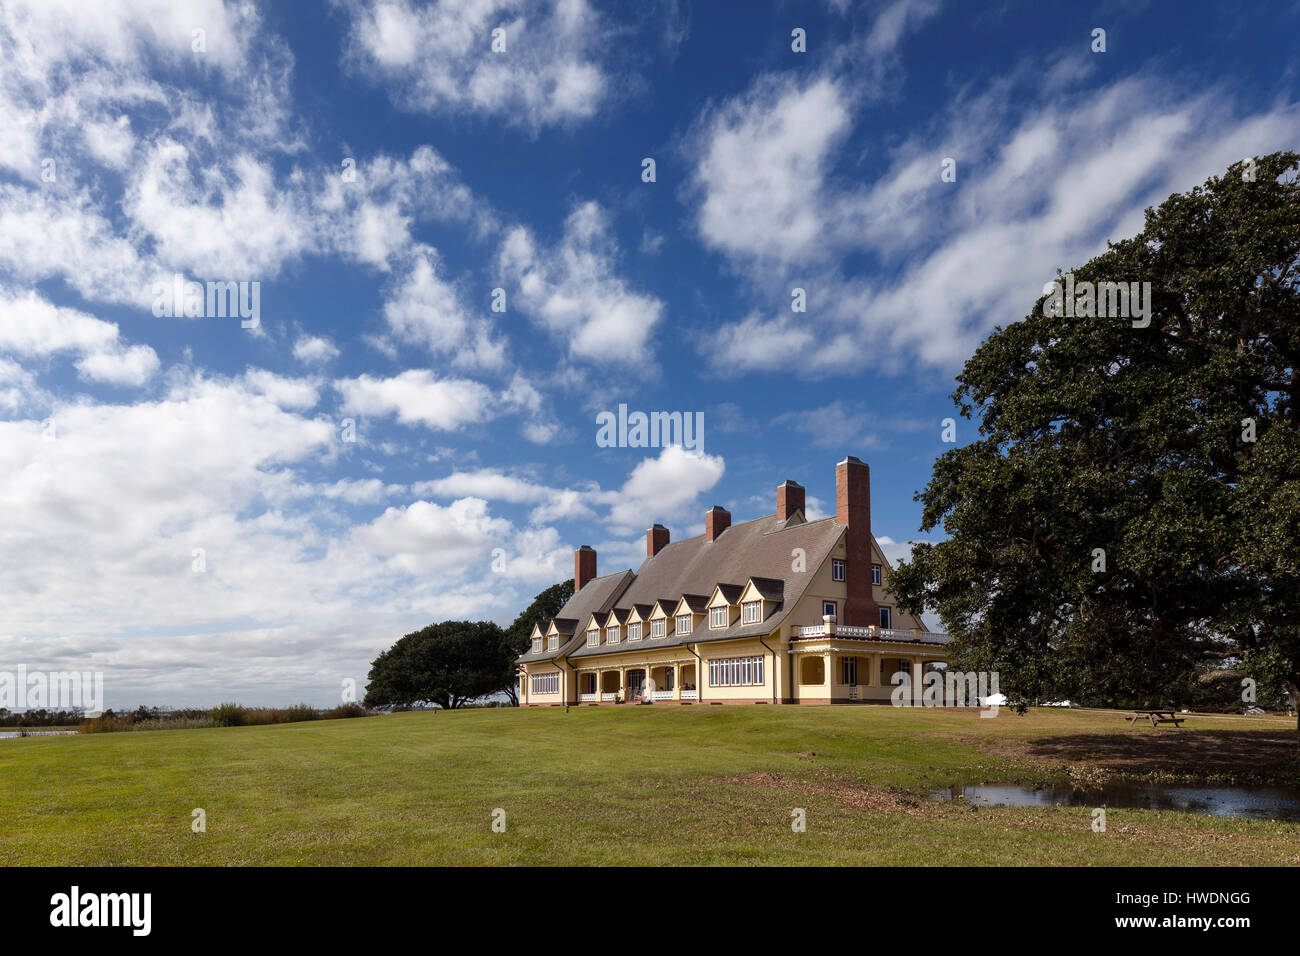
[[663, 695], [885, 634], [690, 695], [607, 697], [586, 698]]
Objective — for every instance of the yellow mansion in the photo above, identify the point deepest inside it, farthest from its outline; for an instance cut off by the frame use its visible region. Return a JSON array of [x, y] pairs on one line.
[[774, 610]]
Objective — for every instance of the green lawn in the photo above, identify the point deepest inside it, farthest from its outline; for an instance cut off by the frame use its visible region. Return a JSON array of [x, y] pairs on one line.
[[629, 785]]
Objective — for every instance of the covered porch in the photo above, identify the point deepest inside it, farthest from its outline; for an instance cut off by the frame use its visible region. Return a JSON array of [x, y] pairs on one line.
[[642, 682]]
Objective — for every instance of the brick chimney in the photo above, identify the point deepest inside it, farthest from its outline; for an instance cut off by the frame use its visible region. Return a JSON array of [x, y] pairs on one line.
[[853, 508], [716, 520], [584, 566], [655, 539], [789, 499]]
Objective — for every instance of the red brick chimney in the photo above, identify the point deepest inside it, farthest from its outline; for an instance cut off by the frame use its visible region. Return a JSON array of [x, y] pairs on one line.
[[655, 539], [789, 499], [716, 520], [853, 508], [584, 566]]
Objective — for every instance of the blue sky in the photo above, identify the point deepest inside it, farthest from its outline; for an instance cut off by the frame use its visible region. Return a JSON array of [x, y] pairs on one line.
[[179, 508]]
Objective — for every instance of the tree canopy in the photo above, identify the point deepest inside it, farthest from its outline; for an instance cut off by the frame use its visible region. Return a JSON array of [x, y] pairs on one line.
[[1130, 511], [448, 664]]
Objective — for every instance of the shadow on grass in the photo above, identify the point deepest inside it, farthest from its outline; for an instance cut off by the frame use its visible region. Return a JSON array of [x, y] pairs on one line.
[[1202, 752]]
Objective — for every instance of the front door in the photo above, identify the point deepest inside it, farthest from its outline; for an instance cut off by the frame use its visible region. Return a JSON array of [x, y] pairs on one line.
[[635, 683]]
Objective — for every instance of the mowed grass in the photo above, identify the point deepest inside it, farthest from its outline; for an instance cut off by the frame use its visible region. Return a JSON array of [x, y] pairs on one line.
[[628, 785]]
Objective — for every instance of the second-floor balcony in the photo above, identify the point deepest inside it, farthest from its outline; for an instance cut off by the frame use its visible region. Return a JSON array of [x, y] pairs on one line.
[[891, 635]]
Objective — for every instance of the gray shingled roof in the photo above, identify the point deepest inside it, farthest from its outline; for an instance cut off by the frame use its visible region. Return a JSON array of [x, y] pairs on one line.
[[760, 548], [597, 596]]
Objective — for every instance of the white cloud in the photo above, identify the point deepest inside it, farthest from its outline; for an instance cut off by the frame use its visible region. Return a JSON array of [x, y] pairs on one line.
[[31, 326], [438, 58], [314, 350], [416, 397], [294, 393], [663, 488], [574, 292]]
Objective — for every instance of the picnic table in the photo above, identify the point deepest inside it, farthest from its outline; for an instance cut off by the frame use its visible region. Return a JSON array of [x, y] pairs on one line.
[[1156, 716]]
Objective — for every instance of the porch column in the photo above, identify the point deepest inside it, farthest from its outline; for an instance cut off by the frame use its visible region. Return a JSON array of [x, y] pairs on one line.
[[622, 682], [918, 689], [829, 659], [677, 681]]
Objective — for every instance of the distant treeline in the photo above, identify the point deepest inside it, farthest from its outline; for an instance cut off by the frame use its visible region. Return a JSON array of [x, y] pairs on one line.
[[225, 715], [41, 718]]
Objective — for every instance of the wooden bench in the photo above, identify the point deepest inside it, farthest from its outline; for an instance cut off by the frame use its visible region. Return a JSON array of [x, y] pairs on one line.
[[1156, 717]]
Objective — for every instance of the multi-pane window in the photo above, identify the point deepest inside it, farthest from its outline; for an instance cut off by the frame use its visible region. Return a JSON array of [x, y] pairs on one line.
[[552, 642], [751, 612], [875, 574], [658, 628], [611, 634], [837, 569], [736, 672], [546, 683], [683, 624], [634, 632], [884, 617], [849, 670], [718, 617], [828, 608], [537, 645], [593, 637]]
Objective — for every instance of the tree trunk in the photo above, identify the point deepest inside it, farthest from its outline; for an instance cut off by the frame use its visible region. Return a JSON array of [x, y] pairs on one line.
[[1293, 685]]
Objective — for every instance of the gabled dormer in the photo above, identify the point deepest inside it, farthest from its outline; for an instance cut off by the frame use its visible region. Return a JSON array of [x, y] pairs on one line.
[[593, 627], [759, 599], [537, 640], [638, 622], [688, 614], [724, 606], [661, 615]]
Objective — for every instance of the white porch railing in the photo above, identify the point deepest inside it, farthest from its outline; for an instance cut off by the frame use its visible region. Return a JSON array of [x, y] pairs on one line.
[[891, 634], [690, 695], [608, 697], [663, 695], [584, 698]]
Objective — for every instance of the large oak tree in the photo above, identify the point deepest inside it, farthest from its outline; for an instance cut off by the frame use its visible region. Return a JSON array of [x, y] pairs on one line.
[[1131, 508]]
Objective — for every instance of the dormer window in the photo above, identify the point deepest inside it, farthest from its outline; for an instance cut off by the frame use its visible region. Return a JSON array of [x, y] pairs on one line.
[[658, 628], [837, 569], [683, 624], [537, 645], [718, 617], [611, 634], [634, 632], [593, 637], [875, 575], [751, 612], [552, 643]]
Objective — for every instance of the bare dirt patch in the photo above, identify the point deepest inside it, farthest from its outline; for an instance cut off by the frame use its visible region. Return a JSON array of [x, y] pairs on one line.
[[859, 796]]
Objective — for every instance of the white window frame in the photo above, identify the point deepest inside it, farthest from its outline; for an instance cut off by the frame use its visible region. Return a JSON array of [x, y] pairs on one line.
[[659, 627], [886, 617], [593, 637], [751, 612], [537, 645], [848, 664], [837, 569], [634, 631], [686, 628], [736, 671], [548, 683], [833, 612], [552, 643], [611, 634], [877, 574], [719, 616]]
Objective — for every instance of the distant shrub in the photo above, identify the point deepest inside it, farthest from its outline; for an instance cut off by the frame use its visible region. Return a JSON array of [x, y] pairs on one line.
[[295, 713], [105, 724], [228, 715], [346, 710]]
